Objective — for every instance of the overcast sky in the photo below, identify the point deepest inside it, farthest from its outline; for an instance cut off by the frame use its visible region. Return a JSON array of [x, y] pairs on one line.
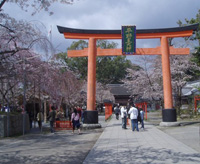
[[110, 14]]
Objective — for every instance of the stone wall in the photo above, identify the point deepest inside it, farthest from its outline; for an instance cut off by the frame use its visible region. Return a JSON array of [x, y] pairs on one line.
[[11, 125]]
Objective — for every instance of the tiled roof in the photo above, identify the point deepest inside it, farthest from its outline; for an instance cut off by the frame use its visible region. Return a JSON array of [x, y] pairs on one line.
[[119, 89], [191, 88], [193, 27]]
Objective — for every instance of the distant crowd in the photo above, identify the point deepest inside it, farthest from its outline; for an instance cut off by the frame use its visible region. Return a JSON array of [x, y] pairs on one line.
[[76, 115], [134, 114]]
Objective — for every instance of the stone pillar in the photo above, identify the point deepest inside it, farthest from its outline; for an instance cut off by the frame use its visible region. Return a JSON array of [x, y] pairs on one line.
[[168, 113]]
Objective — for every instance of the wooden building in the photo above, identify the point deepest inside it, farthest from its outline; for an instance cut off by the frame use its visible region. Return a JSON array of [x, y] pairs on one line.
[[120, 93]]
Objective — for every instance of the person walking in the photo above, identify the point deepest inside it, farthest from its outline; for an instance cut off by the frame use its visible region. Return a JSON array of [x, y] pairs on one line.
[[133, 116], [75, 121], [40, 118], [117, 111], [138, 117], [128, 108], [31, 117], [52, 118], [142, 118], [82, 115], [124, 117]]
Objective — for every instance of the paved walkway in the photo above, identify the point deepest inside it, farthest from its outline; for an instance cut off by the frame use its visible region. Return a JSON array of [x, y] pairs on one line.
[[151, 146]]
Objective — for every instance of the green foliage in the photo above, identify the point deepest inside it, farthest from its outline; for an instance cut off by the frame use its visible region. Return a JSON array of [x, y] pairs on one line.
[[196, 37], [112, 69], [104, 44], [77, 65], [79, 45], [109, 69], [196, 56]]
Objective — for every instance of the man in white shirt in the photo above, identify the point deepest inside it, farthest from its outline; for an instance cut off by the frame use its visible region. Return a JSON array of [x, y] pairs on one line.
[[133, 116], [124, 117]]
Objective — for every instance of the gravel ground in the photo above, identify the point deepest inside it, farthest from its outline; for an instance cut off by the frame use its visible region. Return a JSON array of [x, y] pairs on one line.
[[63, 147]]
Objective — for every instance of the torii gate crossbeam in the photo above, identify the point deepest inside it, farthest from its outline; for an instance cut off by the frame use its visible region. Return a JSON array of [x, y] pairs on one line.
[[168, 113]]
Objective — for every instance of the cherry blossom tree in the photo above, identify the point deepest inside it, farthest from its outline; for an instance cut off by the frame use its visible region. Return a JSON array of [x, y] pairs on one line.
[[70, 88], [24, 67], [20, 35], [46, 78], [61, 86], [20, 66], [18, 40], [182, 69], [145, 82], [37, 6], [103, 93]]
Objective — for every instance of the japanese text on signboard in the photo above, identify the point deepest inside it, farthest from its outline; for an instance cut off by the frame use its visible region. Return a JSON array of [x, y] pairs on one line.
[[128, 40]]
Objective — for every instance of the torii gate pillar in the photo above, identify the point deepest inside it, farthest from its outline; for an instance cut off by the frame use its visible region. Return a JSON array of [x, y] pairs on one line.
[[168, 113], [91, 115]]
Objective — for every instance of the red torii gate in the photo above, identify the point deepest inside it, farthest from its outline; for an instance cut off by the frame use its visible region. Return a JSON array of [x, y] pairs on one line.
[[168, 113]]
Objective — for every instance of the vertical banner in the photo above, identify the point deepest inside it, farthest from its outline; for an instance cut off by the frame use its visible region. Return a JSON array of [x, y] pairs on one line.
[[128, 40], [108, 110]]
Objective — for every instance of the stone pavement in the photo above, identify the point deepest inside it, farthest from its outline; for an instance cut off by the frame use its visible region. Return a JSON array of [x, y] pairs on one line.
[[113, 145], [189, 135], [151, 146]]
